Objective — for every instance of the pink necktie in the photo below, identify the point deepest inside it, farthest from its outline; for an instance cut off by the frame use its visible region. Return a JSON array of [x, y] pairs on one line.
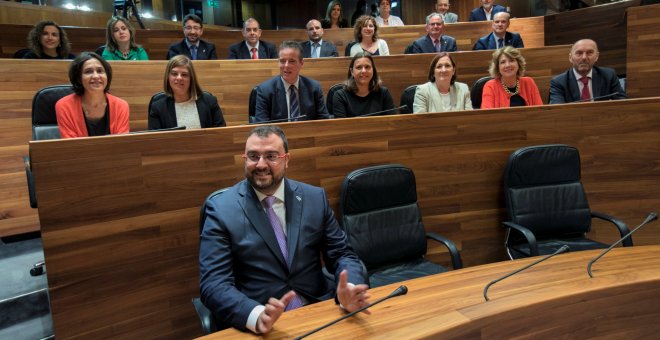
[[254, 53]]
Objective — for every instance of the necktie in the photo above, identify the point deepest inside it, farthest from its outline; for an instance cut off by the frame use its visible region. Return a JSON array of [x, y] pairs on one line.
[[438, 45], [315, 50], [586, 95], [281, 241], [294, 108], [193, 52], [500, 43], [254, 53]]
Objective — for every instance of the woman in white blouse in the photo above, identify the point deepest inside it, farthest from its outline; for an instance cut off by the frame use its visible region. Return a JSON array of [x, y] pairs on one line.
[[365, 33], [442, 92]]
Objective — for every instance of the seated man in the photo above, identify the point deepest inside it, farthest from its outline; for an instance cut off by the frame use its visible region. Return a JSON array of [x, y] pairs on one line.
[[252, 47], [261, 246], [499, 37], [434, 41], [486, 11], [289, 96], [315, 47], [442, 7], [584, 81], [192, 46]]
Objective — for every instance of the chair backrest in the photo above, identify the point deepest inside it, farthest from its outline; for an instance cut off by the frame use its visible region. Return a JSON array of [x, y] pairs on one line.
[[409, 49], [331, 93], [252, 105], [380, 215], [477, 91], [99, 50], [202, 211], [21, 53], [543, 191], [44, 120], [407, 99]]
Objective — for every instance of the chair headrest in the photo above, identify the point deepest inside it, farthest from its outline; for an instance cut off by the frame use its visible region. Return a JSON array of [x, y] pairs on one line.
[[542, 164], [378, 187], [43, 103]]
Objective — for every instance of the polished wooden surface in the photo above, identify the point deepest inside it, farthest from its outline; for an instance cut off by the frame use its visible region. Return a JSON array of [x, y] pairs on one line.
[[230, 80], [119, 214], [553, 300], [644, 51]]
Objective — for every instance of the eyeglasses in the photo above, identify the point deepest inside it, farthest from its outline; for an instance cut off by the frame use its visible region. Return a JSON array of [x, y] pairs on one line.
[[192, 28], [271, 157]]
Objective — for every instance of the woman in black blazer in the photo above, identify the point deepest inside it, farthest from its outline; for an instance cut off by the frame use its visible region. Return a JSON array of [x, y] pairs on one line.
[[183, 103]]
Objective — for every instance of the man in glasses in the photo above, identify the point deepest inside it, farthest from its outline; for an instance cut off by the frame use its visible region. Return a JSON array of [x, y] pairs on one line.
[[262, 242], [434, 41], [192, 46]]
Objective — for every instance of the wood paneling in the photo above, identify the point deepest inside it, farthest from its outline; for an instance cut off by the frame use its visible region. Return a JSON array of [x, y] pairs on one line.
[[606, 24], [555, 300], [119, 214], [643, 51], [156, 42]]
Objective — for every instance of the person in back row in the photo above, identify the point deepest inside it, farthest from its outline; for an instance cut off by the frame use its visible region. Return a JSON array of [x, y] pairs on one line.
[[334, 16], [499, 37], [252, 47], [442, 7], [486, 11], [384, 17], [434, 41], [120, 41], [366, 38], [192, 46], [47, 40], [316, 47], [184, 103], [290, 96], [584, 81]]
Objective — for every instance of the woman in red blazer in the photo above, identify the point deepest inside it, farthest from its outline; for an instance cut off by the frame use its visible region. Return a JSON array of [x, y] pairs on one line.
[[91, 110], [509, 88]]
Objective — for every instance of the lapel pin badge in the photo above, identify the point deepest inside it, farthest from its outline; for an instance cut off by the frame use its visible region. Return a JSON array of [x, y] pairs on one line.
[[299, 199]]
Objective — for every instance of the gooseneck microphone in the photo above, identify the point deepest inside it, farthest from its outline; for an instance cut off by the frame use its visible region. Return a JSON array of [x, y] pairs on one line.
[[279, 120], [651, 217], [559, 251], [383, 112], [402, 290], [596, 98]]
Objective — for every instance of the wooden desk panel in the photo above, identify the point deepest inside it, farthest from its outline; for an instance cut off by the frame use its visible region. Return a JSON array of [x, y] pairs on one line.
[[119, 213], [555, 299], [644, 51]]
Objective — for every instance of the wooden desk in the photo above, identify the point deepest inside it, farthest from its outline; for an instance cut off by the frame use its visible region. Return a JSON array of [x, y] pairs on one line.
[[555, 299]]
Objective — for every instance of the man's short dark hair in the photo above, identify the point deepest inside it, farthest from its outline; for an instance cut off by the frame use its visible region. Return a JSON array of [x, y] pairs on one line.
[[264, 131], [194, 18], [76, 70], [294, 45]]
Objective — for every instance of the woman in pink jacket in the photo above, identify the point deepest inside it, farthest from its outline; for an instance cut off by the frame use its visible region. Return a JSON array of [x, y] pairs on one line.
[[509, 88]]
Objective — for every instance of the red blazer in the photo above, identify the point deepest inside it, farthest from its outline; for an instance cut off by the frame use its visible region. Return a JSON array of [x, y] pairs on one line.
[[494, 95], [71, 120]]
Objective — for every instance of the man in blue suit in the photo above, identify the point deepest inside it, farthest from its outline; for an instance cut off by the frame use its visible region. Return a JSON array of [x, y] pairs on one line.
[[262, 242], [316, 47], [584, 81], [434, 41], [192, 46], [252, 47], [290, 96], [486, 11], [499, 37]]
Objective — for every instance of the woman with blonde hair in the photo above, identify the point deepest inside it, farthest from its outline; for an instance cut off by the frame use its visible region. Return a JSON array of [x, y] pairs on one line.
[[120, 41], [509, 87], [184, 102]]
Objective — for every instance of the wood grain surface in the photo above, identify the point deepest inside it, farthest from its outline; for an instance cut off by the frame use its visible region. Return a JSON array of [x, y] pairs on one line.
[[644, 56]]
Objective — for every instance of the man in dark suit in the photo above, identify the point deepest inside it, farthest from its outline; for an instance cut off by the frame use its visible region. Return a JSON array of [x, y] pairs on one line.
[[289, 96], [442, 7], [261, 246], [316, 47], [192, 46], [486, 11], [584, 81], [434, 41], [252, 47], [499, 37]]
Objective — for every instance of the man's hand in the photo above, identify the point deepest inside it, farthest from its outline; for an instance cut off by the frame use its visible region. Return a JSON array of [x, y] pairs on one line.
[[352, 297], [272, 312]]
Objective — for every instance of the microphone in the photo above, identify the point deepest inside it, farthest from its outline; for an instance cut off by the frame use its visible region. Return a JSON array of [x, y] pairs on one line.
[[597, 98], [378, 113], [402, 290], [559, 251], [181, 127], [651, 217], [278, 120]]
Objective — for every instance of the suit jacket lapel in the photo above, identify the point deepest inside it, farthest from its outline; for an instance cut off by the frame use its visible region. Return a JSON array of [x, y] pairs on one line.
[[280, 95], [307, 49], [259, 220], [597, 83], [293, 199], [573, 88], [492, 42]]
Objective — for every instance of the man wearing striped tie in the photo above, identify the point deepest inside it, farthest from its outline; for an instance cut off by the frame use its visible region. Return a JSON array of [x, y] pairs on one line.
[[290, 96], [263, 239], [499, 37]]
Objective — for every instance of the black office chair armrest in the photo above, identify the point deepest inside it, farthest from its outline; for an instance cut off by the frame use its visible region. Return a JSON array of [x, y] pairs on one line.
[[623, 228], [30, 182], [456, 261], [529, 236], [205, 317]]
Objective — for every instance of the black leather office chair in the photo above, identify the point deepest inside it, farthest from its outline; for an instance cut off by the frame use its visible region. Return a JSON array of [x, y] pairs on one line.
[[252, 105], [407, 99], [546, 203], [477, 90], [21, 53], [99, 50], [384, 225], [328, 98]]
